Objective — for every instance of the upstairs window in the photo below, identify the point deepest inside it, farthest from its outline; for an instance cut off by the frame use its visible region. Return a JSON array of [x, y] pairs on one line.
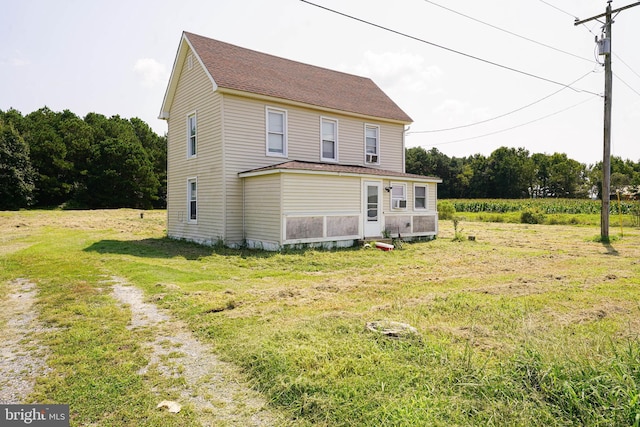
[[192, 130], [420, 197], [329, 140], [372, 144], [398, 196], [276, 132], [192, 200]]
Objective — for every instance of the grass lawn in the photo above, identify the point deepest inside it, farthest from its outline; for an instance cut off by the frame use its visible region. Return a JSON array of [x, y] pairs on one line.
[[527, 325]]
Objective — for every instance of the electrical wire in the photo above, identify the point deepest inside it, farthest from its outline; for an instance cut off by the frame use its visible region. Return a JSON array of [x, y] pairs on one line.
[[509, 32], [571, 15], [626, 84], [448, 49], [501, 115], [627, 65], [558, 9], [596, 55], [516, 126]]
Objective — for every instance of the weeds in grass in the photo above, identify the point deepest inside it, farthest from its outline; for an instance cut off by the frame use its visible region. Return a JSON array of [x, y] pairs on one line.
[[458, 236], [593, 391]]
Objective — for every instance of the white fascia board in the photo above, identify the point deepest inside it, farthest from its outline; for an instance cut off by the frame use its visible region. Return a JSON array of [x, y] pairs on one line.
[[325, 173]]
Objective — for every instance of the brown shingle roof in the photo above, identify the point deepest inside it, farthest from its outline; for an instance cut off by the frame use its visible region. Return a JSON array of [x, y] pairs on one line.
[[247, 70], [335, 168]]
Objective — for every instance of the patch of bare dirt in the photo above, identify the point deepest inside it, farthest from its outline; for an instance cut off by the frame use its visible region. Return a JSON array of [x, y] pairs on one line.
[[519, 288], [594, 314], [213, 388], [23, 358]]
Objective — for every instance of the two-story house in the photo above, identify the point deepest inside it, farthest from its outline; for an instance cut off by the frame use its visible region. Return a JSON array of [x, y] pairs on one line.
[[270, 153]]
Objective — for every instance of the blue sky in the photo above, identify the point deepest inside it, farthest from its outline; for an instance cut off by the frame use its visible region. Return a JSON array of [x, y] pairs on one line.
[[115, 58]]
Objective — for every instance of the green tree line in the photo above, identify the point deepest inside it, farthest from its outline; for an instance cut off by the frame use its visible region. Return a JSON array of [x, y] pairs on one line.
[[52, 159], [514, 173]]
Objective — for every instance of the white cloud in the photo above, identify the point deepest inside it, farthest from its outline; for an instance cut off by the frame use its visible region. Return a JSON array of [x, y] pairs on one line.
[[151, 71], [452, 107], [480, 114], [19, 62], [460, 112], [398, 71]]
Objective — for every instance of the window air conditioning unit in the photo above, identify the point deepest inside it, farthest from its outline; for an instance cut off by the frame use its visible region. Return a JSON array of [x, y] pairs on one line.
[[399, 204], [372, 158]]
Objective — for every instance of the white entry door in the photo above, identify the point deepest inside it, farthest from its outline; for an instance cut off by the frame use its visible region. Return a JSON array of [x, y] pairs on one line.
[[372, 208]]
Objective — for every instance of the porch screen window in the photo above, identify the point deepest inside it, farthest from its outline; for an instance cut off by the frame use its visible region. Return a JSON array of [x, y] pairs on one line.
[[191, 135], [192, 190], [372, 203], [420, 197], [329, 140], [276, 133]]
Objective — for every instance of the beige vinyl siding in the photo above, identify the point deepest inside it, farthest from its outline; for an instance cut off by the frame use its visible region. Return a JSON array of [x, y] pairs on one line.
[[245, 146], [245, 133], [262, 208], [194, 94], [321, 194], [431, 196], [391, 147], [432, 190], [409, 186], [410, 221]]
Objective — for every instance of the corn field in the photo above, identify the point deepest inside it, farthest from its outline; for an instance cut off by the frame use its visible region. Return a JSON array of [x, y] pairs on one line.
[[546, 206]]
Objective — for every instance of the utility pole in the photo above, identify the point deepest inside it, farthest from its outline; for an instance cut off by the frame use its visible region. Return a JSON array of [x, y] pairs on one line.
[[606, 50]]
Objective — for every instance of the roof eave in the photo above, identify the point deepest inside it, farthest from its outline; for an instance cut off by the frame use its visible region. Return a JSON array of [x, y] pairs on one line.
[[251, 174]]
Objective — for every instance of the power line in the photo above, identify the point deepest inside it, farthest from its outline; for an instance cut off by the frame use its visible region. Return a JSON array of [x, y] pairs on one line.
[[516, 126], [558, 9], [575, 17], [448, 49], [626, 84], [509, 32], [627, 65], [501, 115]]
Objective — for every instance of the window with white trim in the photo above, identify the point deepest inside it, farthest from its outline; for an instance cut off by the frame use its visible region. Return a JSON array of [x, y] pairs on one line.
[[420, 197], [398, 196], [192, 200], [192, 130], [276, 132], [372, 144], [329, 140]]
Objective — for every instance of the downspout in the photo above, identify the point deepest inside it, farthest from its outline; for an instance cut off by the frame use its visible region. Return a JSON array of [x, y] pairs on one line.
[[404, 150], [244, 210]]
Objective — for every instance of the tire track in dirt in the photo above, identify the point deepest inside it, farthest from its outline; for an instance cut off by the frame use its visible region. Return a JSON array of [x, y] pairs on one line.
[[23, 358], [213, 388]]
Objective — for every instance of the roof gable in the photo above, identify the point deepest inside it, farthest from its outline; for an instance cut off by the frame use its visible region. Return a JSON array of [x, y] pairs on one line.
[[239, 69]]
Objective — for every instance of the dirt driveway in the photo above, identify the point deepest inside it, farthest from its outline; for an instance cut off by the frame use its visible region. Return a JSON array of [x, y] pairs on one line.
[[214, 389]]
